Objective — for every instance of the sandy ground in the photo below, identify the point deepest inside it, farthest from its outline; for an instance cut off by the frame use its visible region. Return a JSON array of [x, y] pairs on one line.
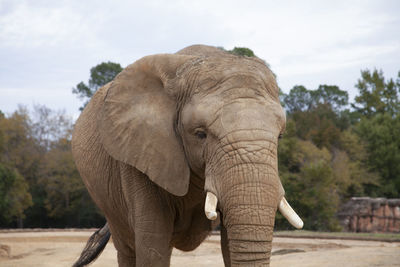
[[62, 248]]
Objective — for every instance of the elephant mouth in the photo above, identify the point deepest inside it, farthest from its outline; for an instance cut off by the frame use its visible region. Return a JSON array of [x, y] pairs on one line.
[[210, 209]]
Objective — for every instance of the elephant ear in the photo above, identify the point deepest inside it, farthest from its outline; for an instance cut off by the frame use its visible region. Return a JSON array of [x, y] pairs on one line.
[[136, 123]]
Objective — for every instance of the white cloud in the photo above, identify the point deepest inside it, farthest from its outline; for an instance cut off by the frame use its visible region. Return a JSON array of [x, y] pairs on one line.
[[53, 44], [314, 37], [336, 59], [28, 25], [52, 98]]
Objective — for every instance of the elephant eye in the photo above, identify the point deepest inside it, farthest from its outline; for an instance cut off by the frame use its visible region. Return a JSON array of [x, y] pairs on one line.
[[280, 136], [200, 134]]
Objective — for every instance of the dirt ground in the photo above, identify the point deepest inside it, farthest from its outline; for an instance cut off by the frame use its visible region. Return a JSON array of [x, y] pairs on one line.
[[62, 248]]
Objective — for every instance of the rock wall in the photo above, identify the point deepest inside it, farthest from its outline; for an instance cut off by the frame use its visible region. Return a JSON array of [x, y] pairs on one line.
[[364, 214]]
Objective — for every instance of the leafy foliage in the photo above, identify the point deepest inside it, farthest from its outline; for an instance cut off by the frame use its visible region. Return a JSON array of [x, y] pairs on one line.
[[381, 136], [242, 51], [100, 75], [39, 183], [355, 152], [302, 99], [14, 195], [376, 94], [354, 176], [308, 178], [378, 108]]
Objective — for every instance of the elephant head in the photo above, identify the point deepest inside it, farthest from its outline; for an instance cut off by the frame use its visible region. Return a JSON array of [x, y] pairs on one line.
[[205, 113]]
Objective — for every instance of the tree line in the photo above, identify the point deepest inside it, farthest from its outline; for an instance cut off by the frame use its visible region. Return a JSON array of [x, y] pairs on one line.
[[332, 150], [39, 183]]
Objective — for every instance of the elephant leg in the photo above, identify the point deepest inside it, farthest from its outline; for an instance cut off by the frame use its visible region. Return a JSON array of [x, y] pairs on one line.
[[153, 234], [150, 215], [225, 246], [125, 246], [152, 255], [126, 260]]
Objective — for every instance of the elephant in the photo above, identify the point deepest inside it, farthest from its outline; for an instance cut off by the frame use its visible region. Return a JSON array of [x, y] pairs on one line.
[[175, 141]]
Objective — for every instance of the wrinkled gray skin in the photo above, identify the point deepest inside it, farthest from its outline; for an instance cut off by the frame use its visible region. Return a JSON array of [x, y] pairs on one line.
[[170, 128]]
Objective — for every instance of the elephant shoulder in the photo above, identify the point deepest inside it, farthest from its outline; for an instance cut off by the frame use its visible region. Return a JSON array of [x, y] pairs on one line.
[[85, 135]]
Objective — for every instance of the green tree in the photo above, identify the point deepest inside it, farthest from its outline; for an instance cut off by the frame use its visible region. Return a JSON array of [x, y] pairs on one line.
[[67, 201], [354, 175], [100, 75], [302, 99], [309, 182], [38, 178], [331, 95], [298, 99], [14, 190], [14, 196], [59, 190], [376, 95], [320, 115], [318, 125], [378, 125], [381, 136], [239, 51], [19, 148], [21, 152], [18, 198], [242, 51]]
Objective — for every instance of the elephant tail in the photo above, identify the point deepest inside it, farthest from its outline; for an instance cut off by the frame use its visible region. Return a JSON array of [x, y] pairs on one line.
[[94, 246]]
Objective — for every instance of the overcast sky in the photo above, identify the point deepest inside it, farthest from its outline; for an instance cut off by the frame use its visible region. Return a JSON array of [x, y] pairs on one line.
[[47, 47]]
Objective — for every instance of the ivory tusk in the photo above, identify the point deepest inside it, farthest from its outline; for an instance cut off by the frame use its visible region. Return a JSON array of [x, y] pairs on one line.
[[290, 214], [211, 206]]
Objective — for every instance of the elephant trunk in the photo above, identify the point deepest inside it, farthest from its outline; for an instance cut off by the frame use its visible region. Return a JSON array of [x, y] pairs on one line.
[[248, 215], [246, 184], [248, 207], [248, 198], [253, 250]]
